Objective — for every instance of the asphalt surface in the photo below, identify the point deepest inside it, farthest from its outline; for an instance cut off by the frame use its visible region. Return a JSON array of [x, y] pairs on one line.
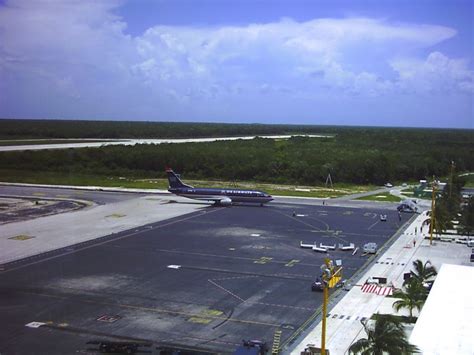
[[340, 202], [48, 201], [203, 281], [98, 197]]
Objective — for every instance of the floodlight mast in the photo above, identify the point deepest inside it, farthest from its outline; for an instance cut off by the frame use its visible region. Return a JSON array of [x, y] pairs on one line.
[[433, 206], [323, 330], [451, 178], [329, 279]]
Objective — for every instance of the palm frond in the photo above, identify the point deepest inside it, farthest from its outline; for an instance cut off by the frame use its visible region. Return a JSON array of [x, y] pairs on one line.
[[387, 336], [359, 345]]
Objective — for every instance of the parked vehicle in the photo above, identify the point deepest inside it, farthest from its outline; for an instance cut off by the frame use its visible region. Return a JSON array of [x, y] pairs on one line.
[[252, 347], [317, 285], [370, 248]]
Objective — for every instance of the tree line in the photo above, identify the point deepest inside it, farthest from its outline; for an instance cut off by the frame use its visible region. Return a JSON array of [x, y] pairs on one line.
[[358, 155], [40, 129]]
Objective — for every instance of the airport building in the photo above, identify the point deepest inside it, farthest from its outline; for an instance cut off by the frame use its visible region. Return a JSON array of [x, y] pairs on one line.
[[445, 324]]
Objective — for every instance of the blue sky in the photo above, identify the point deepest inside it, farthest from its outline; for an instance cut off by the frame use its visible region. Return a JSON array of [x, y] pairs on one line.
[[382, 63]]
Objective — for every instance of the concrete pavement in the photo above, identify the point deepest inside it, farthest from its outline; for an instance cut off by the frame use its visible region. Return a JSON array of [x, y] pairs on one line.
[[27, 238]]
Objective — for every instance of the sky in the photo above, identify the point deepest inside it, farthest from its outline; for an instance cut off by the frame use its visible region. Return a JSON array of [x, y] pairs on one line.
[[366, 63]]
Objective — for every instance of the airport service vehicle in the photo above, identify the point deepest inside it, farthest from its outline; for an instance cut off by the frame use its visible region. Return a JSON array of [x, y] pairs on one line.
[[370, 248], [222, 197], [252, 347], [317, 285], [119, 347]]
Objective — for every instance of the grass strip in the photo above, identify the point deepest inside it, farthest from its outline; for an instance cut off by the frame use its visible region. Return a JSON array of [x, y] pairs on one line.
[[75, 179], [382, 197]]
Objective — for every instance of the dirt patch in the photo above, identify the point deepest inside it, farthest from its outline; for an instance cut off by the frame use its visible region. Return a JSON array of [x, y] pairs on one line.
[[21, 209]]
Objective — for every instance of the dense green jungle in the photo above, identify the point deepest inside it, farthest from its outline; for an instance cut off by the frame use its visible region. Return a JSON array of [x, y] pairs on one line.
[[361, 155], [43, 129]]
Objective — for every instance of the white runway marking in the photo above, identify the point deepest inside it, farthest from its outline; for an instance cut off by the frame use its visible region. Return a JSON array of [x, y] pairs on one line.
[[372, 225]]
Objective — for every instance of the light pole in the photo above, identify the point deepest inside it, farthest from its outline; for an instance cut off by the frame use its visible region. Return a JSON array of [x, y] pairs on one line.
[[433, 206], [330, 277]]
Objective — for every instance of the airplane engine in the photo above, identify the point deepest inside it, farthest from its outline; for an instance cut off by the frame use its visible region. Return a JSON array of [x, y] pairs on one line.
[[225, 202]]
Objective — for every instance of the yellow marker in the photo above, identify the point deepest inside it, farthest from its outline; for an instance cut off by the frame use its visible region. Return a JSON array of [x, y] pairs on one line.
[[211, 312], [21, 237], [199, 320], [263, 260], [292, 263], [276, 342], [38, 193], [206, 316], [116, 215]]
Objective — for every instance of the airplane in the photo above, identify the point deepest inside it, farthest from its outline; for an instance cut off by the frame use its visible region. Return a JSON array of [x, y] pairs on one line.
[[407, 206], [220, 197]]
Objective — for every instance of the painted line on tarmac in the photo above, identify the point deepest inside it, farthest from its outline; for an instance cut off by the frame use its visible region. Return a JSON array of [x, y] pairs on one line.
[[310, 225], [372, 225], [261, 303], [227, 271], [236, 277], [226, 291]]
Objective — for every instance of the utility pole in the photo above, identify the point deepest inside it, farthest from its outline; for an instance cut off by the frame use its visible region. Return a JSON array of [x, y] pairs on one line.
[[451, 178], [433, 206], [329, 180], [330, 278]]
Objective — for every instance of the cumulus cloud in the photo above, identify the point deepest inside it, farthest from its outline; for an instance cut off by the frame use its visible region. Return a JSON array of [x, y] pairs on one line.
[[436, 73], [280, 52], [77, 51]]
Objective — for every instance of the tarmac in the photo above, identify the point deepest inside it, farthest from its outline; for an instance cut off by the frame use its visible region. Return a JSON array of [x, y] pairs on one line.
[[232, 271], [19, 240], [185, 273], [362, 301]]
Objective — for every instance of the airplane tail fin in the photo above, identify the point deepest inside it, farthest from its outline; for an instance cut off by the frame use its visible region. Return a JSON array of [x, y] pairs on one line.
[[174, 180]]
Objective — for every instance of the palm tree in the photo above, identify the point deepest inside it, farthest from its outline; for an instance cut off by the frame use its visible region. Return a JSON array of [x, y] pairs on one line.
[[467, 217], [442, 218], [386, 336], [422, 272], [413, 297]]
